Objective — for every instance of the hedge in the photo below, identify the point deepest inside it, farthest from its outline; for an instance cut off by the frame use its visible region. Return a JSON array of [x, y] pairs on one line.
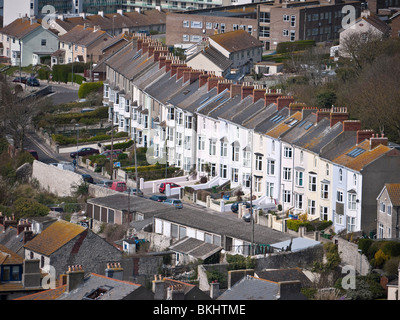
[[285, 47], [83, 118], [88, 87], [310, 226]]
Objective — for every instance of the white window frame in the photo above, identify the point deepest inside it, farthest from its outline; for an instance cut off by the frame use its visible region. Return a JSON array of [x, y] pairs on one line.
[[259, 162], [287, 174], [271, 167], [299, 178], [324, 191], [352, 201]]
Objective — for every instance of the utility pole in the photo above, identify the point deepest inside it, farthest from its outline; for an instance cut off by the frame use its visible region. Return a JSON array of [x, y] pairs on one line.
[[112, 144]]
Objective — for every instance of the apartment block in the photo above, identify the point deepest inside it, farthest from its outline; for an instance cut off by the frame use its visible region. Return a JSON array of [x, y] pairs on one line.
[[184, 29], [301, 20]]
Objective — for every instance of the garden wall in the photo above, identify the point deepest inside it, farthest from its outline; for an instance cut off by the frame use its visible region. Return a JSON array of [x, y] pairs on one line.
[[350, 256], [55, 180]]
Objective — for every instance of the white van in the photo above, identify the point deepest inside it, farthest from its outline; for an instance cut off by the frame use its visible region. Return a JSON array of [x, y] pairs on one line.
[[64, 166]]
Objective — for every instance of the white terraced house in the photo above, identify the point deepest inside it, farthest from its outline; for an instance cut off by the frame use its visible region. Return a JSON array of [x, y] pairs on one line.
[[308, 160]]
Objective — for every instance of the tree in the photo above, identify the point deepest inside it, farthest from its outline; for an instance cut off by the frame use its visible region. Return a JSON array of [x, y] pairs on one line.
[[16, 112]]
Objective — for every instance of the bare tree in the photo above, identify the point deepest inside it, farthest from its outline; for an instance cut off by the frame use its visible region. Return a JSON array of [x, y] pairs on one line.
[[17, 110]]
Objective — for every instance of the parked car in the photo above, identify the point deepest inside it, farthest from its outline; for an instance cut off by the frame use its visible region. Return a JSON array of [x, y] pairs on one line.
[[158, 198], [86, 151], [135, 192], [265, 207], [174, 202], [64, 165], [247, 217], [107, 153], [163, 185], [33, 82], [235, 206], [105, 183], [87, 178], [118, 186], [20, 79], [34, 154]]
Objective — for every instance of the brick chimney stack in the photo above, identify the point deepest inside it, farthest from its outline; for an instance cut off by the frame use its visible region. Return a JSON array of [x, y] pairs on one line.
[[175, 65], [364, 134], [75, 277], [258, 93], [295, 107], [284, 101], [376, 140], [247, 90], [181, 70], [203, 79], [351, 125], [162, 61], [236, 90], [191, 75], [271, 96], [323, 113], [222, 85], [212, 82], [22, 225], [338, 115]]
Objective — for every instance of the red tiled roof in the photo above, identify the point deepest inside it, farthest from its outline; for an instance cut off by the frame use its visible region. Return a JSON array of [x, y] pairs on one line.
[[19, 28]]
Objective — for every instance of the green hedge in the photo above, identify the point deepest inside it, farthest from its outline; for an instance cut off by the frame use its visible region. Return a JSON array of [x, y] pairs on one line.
[[310, 225], [63, 72], [83, 118], [88, 87], [285, 47]]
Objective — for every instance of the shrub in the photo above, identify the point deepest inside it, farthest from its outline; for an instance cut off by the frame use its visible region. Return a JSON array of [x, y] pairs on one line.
[[25, 207], [364, 244], [380, 258], [239, 262], [391, 248], [88, 87]]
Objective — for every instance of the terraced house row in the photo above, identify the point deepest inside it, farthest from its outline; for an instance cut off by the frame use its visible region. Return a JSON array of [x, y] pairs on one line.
[[309, 160]]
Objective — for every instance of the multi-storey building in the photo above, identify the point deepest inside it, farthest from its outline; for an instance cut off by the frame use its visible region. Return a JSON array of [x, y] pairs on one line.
[[301, 20], [311, 161], [178, 5]]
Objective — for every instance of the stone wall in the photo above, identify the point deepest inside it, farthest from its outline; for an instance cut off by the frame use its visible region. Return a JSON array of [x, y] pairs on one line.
[[350, 256], [55, 180], [298, 259]]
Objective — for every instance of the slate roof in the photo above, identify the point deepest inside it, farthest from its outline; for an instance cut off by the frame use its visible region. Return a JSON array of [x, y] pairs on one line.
[[393, 190], [54, 237], [267, 124], [195, 248], [9, 239], [83, 36], [284, 126], [193, 103], [251, 288], [278, 275], [137, 204], [214, 56], [365, 158], [118, 290], [234, 41], [232, 227], [300, 130]]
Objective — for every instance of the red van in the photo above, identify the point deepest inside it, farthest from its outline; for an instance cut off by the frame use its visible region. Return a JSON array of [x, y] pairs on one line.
[[164, 185], [118, 186]]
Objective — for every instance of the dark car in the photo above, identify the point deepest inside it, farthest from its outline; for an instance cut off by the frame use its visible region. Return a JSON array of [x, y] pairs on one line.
[[107, 153], [87, 178], [33, 82], [34, 154], [164, 185], [20, 79], [87, 151], [157, 198], [235, 206]]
